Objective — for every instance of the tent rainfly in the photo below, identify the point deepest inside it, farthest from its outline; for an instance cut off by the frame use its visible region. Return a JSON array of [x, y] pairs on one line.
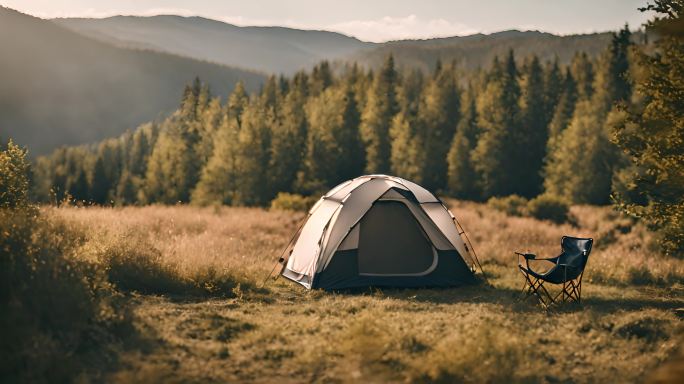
[[379, 230]]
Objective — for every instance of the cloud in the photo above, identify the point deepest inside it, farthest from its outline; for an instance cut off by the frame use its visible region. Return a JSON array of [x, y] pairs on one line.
[[166, 11], [397, 28], [98, 14]]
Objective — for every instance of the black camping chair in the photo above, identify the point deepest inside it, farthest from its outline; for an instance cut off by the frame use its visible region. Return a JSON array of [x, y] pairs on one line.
[[567, 271]]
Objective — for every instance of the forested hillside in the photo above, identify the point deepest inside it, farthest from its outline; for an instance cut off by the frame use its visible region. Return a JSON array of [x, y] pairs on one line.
[[285, 50], [58, 87], [269, 49], [478, 51], [515, 128]]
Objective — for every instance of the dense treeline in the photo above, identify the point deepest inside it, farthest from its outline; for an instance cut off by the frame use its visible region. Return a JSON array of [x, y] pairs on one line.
[[519, 127]]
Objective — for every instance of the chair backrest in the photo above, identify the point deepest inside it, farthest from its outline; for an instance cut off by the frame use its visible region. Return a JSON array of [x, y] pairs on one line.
[[576, 251]]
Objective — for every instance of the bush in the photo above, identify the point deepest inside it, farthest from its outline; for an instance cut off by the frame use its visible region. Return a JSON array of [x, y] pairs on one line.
[[13, 177], [54, 308], [549, 207], [512, 205], [133, 264], [292, 202]]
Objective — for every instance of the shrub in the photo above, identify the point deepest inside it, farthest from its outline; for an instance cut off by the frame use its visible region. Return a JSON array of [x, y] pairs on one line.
[[54, 308], [512, 205], [292, 202], [133, 264], [13, 177], [549, 207]]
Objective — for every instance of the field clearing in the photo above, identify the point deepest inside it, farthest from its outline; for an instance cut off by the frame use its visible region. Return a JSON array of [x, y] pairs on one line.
[[193, 276]]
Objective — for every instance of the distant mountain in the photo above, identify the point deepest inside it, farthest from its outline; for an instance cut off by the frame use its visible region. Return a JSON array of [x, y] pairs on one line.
[[478, 50], [58, 87], [73, 81], [286, 50], [269, 49]]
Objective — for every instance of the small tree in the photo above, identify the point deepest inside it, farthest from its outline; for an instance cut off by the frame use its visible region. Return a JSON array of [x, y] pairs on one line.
[[653, 135], [14, 185]]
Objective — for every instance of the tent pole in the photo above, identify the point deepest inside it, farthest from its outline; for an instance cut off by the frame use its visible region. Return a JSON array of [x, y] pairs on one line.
[[282, 254], [463, 231]]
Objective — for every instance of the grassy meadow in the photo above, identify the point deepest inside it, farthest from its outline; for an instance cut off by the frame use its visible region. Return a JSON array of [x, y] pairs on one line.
[[191, 279]]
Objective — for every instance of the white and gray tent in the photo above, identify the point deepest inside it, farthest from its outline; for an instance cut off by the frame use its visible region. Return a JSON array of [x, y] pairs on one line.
[[379, 230]]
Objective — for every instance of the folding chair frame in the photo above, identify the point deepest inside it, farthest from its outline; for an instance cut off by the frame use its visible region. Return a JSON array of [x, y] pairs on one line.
[[571, 290]]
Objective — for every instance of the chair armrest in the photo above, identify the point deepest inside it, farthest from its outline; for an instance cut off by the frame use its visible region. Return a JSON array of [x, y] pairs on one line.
[[527, 256], [553, 259]]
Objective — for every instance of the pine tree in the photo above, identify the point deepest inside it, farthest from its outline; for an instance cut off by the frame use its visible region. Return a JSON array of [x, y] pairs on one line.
[[283, 85], [140, 150], [190, 100], [462, 177], [209, 122], [270, 94], [126, 189], [438, 116], [219, 178], [100, 184], [582, 71], [564, 109], [498, 117], [218, 181], [408, 151], [360, 82], [111, 154], [584, 162], [321, 78], [407, 157], [251, 162], [237, 102], [653, 134], [554, 85], [78, 186], [288, 142], [579, 170], [171, 171], [381, 106], [333, 149], [349, 137], [532, 137]]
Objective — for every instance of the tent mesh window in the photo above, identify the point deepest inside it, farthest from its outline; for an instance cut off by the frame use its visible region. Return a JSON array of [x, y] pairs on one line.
[[391, 242]]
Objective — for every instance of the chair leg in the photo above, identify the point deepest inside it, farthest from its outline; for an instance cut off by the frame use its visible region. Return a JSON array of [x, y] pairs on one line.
[[532, 287], [561, 294], [579, 290], [570, 290], [527, 285], [549, 298]]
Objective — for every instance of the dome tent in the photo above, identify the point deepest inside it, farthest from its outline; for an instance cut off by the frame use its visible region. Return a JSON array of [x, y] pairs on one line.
[[378, 230]]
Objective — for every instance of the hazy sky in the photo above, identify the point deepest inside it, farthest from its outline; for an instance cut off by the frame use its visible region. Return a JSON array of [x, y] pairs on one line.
[[371, 20]]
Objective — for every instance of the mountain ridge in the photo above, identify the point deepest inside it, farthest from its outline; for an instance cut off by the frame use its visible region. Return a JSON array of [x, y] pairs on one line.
[[278, 49], [62, 88], [269, 49]]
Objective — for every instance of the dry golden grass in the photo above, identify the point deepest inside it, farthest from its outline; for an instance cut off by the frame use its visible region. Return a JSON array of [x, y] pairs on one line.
[[215, 323]]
